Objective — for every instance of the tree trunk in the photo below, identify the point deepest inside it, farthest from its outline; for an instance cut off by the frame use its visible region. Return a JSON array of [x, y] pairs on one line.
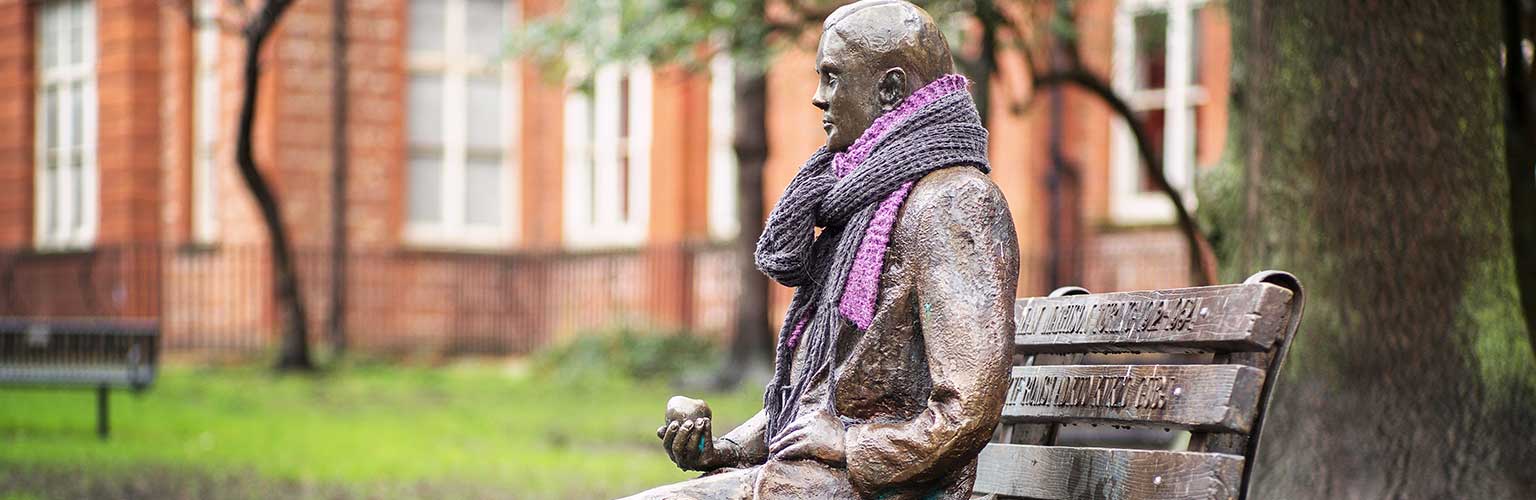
[[1520, 158], [336, 329], [1367, 138], [751, 350], [294, 350]]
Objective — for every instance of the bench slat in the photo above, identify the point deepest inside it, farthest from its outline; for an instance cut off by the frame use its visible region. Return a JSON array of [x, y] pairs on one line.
[[1227, 318], [1063, 472], [1218, 398], [132, 327], [89, 375]]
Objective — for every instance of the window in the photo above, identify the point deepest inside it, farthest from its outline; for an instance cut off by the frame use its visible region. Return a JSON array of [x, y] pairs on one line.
[[723, 223], [66, 183], [608, 158], [205, 125], [460, 112], [1156, 56]]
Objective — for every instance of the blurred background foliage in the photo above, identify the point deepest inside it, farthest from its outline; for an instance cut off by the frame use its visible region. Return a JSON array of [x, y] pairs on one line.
[[627, 353]]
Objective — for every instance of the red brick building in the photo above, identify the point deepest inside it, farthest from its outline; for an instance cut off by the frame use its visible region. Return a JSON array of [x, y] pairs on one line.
[[489, 208]]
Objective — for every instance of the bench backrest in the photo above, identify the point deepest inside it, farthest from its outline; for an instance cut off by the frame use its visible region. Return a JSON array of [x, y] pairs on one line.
[[1246, 329], [79, 351]]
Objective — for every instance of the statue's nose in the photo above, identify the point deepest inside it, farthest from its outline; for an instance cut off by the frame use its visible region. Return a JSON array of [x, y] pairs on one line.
[[819, 100]]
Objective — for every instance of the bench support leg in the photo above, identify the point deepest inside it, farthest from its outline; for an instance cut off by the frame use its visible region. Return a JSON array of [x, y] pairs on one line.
[[102, 411]]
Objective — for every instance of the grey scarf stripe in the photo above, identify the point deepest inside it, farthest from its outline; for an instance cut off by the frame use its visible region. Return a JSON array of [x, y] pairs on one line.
[[945, 133], [784, 247]]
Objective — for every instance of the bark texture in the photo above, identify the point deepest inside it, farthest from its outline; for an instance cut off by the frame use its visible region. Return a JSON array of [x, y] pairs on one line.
[[293, 353], [336, 319], [1367, 157], [1520, 152]]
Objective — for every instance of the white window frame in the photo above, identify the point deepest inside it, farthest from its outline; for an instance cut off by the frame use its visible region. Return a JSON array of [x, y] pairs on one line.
[[723, 195], [455, 64], [1179, 99], [59, 203], [592, 161], [206, 117]]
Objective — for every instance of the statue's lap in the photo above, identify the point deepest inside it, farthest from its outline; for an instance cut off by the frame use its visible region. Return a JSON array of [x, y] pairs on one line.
[[775, 479]]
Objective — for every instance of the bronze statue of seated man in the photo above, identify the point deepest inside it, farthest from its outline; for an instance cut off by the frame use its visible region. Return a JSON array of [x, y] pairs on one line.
[[893, 360]]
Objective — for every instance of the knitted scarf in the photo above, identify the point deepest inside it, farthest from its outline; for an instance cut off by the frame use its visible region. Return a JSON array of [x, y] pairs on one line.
[[854, 196]]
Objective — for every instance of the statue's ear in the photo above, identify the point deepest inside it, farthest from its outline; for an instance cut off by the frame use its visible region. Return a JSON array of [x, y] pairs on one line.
[[892, 88]]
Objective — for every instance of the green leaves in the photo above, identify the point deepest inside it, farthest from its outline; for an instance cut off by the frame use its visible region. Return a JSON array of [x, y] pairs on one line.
[[590, 33], [571, 42]]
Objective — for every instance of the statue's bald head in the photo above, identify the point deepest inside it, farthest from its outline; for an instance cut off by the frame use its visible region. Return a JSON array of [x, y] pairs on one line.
[[873, 54], [893, 33]]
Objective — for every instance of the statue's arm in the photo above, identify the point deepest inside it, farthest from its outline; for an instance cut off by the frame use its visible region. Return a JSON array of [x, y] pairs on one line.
[[963, 242], [747, 439]]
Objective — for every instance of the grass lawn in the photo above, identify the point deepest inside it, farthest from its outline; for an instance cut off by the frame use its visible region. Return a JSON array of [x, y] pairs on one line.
[[476, 430]]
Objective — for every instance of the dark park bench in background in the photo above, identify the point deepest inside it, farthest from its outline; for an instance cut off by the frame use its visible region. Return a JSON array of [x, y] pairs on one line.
[[1221, 398], [93, 353]]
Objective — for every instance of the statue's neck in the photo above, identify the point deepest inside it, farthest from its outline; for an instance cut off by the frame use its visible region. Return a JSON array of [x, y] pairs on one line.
[[850, 159]]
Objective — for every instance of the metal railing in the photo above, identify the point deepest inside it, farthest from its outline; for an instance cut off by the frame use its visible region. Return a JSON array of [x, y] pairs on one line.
[[397, 300], [408, 301]]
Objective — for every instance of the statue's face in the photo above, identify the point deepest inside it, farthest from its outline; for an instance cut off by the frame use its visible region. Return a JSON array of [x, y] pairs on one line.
[[847, 91]]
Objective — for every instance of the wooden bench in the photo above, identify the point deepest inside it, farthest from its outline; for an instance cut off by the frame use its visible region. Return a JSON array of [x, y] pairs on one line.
[[1221, 399], [93, 353]]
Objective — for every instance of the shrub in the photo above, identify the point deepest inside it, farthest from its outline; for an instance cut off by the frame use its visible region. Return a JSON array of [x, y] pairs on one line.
[[626, 353]]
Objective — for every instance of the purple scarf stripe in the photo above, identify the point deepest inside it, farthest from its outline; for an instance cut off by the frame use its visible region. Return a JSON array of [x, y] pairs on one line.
[[859, 294], [858, 304], [794, 336]]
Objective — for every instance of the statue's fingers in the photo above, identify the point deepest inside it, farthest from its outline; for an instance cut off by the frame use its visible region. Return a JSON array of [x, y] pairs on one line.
[[701, 437], [668, 438], [670, 434], [776, 443], [680, 443], [788, 440], [784, 438], [799, 448], [788, 431], [661, 432], [695, 441]]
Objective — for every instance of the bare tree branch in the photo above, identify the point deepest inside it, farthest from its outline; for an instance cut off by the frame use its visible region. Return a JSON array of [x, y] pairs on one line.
[[1201, 259], [260, 26], [1019, 101]]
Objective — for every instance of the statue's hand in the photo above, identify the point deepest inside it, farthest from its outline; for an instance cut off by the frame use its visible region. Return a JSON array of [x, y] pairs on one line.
[[691, 445], [818, 436]]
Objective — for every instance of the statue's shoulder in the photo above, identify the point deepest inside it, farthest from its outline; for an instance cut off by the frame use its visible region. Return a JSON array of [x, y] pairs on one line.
[[957, 190], [952, 201]]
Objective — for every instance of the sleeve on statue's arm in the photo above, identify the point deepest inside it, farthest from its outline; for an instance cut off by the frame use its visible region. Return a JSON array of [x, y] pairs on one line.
[[967, 258], [750, 439]]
